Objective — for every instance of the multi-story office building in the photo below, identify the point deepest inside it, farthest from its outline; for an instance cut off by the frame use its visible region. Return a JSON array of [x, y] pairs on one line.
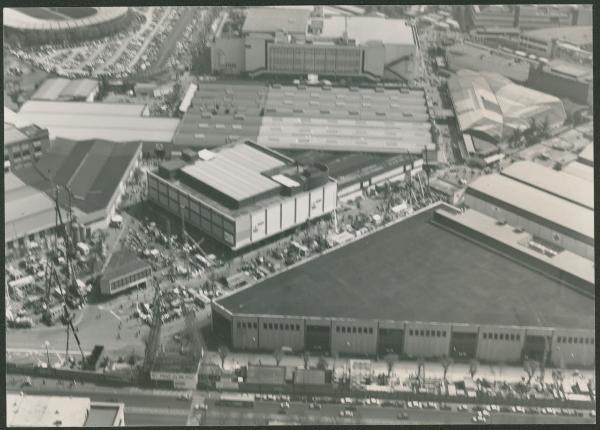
[[23, 145], [242, 193]]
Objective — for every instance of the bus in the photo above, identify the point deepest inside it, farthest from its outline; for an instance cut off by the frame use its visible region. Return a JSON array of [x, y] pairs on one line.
[[242, 400]]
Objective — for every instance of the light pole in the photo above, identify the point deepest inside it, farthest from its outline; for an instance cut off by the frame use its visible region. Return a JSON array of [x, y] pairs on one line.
[[47, 344]]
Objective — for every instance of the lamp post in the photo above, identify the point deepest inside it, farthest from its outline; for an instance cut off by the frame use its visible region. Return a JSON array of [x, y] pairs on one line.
[[47, 344]]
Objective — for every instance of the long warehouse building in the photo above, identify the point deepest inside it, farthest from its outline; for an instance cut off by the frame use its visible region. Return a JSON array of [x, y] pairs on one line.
[[107, 121], [242, 193], [559, 184], [345, 119], [546, 216], [436, 288]]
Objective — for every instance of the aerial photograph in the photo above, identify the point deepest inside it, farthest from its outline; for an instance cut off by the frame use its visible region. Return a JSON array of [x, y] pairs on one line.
[[339, 215]]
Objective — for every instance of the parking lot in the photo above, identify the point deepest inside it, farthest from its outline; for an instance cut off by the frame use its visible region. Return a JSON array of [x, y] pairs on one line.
[[117, 56]]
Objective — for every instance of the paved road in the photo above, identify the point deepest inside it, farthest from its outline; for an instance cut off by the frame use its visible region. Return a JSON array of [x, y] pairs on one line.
[[157, 28], [299, 413], [145, 420], [168, 46]]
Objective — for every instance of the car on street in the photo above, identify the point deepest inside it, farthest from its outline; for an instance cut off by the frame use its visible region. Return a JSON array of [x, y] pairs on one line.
[[314, 406], [463, 408], [403, 416], [346, 413], [285, 405], [479, 419]]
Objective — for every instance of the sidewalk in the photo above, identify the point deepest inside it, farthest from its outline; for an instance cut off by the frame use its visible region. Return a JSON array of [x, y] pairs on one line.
[[402, 370]]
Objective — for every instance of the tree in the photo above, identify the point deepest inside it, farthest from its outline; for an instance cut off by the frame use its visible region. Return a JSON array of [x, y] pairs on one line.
[[473, 365], [420, 369], [322, 364], [306, 359], [390, 360], [278, 355], [446, 362], [223, 353], [530, 367]]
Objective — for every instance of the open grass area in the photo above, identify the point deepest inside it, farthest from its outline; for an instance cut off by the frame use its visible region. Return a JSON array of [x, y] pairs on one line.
[[417, 271]]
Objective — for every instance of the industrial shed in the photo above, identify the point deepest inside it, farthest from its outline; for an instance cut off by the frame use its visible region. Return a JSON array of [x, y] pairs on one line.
[[549, 217], [348, 302]]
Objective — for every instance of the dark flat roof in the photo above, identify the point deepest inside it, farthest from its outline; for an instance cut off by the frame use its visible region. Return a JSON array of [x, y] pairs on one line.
[[122, 263], [92, 169], [417, 271]]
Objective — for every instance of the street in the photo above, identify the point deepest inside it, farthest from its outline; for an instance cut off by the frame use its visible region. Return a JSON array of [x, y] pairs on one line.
[[300, 413]]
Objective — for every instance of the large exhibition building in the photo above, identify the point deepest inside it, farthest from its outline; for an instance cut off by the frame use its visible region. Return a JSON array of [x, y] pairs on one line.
[[96, 172], [242, 193], [490, 106], [541, 205], [445, 282], [325, 118], [298, 41]]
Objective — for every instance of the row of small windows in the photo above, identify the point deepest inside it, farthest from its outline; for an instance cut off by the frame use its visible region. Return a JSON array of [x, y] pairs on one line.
[[130, 279], [580, 340], [502, 336], [427, 333], [359, 330], [247, 325], [280, 326]]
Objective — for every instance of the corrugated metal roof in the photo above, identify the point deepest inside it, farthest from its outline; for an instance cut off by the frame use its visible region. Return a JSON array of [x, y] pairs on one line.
[[580, 170], [554, 209], [369, 28], [50, 89], [13, 134], [79, 88], [271, 20], [236, 171], [26, 209], [588, 154], [82, 108], [561, 184]]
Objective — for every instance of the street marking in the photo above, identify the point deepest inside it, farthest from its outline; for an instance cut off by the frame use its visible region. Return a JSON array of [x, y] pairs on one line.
[[115, 315]]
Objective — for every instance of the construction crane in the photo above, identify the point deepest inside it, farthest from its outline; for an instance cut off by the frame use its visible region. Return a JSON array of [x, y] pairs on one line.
[[153, 341], [72, 287]]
